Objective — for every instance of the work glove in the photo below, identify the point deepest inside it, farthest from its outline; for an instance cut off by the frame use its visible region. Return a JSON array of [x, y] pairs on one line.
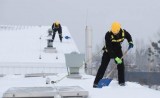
[[118, 60], [130, 45]]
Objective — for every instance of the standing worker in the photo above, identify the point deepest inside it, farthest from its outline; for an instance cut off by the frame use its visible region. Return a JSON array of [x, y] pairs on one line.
[[112, 50], [57, 27]]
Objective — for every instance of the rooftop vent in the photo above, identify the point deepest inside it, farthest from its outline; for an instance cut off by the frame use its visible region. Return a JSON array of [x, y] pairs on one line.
[[50, 48]]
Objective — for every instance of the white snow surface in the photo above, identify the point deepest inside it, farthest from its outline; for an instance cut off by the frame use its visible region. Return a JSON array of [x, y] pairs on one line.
[[131, 90], [23, 45]]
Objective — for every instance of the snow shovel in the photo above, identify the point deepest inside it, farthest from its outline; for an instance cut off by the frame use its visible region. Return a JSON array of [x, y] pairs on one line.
[[67, 37], [106, 81]]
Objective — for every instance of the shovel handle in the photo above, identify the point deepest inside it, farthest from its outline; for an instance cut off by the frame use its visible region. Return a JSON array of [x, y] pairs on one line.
[[124, 54], [117, 64]]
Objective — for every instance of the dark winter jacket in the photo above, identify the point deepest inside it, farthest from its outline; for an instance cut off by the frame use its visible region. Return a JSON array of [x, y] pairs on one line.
[[113, 42], [57, 28]]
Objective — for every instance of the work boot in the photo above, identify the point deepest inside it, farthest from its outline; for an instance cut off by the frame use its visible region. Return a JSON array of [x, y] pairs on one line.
[[95, 85], [122, 84]]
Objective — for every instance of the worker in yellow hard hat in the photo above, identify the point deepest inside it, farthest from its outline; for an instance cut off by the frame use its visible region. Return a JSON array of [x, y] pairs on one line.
[[112, 49], [57, 27], [115, 28]]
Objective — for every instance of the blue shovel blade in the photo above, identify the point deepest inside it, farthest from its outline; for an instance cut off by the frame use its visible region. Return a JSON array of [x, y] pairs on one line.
[[104, 82], [67, 37]]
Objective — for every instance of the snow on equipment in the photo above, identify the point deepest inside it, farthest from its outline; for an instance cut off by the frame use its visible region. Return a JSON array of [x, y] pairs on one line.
[[74, 61], [50, 48]]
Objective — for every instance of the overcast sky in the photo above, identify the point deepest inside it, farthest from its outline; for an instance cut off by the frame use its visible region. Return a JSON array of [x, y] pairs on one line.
[[140, 17]]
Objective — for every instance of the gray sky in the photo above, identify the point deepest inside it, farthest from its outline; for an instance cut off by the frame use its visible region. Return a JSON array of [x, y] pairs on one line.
[[139, 17]]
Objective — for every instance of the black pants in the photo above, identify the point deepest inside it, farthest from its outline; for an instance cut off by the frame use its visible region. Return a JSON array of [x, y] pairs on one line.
[[59, 32], [104, 63]]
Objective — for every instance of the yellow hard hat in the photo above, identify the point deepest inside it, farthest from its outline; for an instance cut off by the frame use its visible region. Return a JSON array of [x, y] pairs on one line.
[[115, 28], [57, 22]]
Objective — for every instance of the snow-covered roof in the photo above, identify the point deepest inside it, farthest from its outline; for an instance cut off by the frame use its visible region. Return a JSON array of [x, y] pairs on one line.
[[131, 90], [22, 46]]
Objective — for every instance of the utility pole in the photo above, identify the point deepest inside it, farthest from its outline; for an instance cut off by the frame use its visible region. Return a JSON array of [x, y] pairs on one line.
[[88, 54]]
